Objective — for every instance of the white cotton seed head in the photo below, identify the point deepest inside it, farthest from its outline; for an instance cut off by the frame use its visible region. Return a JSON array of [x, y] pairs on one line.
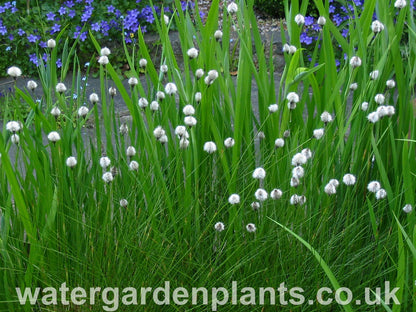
[[51, 43], [154, 106], [261, 195], [334, 182], [299, 159], [112, 91], [219, 226], [13, 126], [276, 194], [295, 199], [390, 110], [55, 111], [377, 26], [232, 8], [381, 111], [234, 199], [192, 53], [188, 110], [181, 131], [103, 60], [94, 98], [229, 142], [190, 121], [14, 72], [381, 194], [124, 129], [159, 132], [390, 84], [251, 227], [166, 19], [105, 51], [163, 139], [285, 48], [379, 98], [160, 95], [133, 81], [130, 151], [143, 63], [355, 61], [105, 162], [294, 182], [298, 172], [279, 142], [349, 179], [307, 153], [321, 21], [353, 86], [107, 177], [15, 138], [183, 143], [54, 136], [83, 111], [60, 88], [400, 4], [373, 186], [210, 147], [373, 117], [123, 203], [299, 19], [31, 85], [71, 162], [292, 97], [218, 34], [408, 208], [133, 165], [164, 68], [198, 97], [318, 133], [255, 206], [199, 73], [143, 103], [213, 74], [326, 117], [292, 49], [171, 88], [330, 189], [273, 108], [374, 74], [364, 106], [259, 173]]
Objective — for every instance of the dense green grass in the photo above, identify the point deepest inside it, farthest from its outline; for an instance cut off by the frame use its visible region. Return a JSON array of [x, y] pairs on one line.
[[60, 224]]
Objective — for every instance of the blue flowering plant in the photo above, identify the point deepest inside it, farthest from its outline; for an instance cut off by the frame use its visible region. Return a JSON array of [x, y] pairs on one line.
[[27, 28]]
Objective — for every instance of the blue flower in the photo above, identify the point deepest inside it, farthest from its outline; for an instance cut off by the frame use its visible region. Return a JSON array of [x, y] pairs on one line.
[[83, 36], [58, 63], [50, 16], [2, 9], [72, 13], [3, 30], [69, 3], [55, 28], [62, 10], [43, 44], [8, 48], [308, 20], [11, 37], [95, 26], [111, 9], [21, 32], [34, 59]]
